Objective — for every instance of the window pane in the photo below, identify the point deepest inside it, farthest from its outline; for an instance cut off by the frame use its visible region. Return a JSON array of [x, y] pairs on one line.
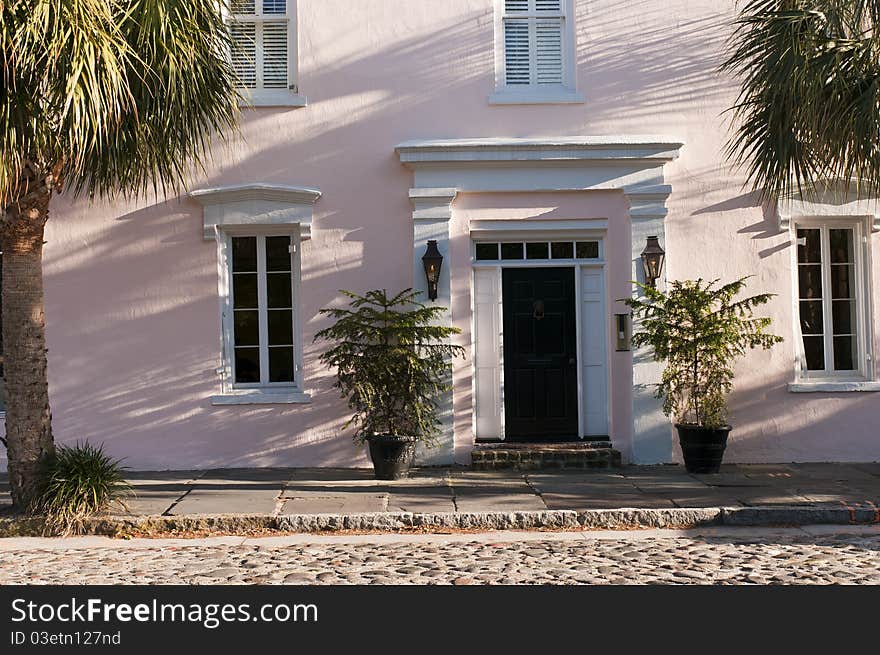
[[487, 251], [844, 354], [814, 350], [537, 251], [278, 290], [280, 364], [244, 254], [277, 253], [587, 250], [274, 6], [841, 277], [511, 251], [562, 250], [843, 316], [247, 365], [810, 280], [247, 328], [841, 246], [811, 317], [244, 290], [280, 327], [809, 246]]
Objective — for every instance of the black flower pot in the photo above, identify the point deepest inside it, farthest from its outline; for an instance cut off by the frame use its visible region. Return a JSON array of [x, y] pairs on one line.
[[392, 455], [703, 448]]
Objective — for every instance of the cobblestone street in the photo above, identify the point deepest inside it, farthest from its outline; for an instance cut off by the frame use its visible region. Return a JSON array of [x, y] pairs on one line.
[[641, 557]]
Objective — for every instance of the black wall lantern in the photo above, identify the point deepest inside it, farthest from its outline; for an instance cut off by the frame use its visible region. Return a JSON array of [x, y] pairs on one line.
[[432, 260], [652, 259]]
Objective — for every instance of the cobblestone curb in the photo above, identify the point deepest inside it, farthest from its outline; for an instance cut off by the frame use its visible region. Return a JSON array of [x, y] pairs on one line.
[[401, 521]]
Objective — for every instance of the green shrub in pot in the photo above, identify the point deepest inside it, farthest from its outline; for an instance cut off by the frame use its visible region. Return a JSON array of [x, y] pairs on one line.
[[393, 363], [698, 329]]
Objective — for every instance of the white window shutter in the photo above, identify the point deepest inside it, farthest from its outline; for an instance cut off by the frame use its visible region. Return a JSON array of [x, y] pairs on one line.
[[244, 7], [517, 53], [275, 55], [511, 6], [244, 53], [548, 5], [548, 51]]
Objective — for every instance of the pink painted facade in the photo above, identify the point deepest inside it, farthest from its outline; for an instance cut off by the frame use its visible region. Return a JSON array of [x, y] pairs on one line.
[[134, 328]]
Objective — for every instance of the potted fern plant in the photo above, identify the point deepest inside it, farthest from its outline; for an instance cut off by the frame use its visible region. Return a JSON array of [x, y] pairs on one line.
[[392, 363], [699, 329]]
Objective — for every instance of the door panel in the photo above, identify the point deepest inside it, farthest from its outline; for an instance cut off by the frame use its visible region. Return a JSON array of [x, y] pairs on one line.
[[540, 354]]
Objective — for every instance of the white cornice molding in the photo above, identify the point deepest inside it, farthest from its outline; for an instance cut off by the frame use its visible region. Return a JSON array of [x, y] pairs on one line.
[[256, 191], [257, 208], [830, 200], [610, 148], [632, 164]]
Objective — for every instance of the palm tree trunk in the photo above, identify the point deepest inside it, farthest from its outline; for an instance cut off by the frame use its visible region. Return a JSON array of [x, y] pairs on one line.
[[28, 417]]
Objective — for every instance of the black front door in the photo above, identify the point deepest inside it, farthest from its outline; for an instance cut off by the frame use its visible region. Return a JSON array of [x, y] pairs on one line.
[[540, 354]]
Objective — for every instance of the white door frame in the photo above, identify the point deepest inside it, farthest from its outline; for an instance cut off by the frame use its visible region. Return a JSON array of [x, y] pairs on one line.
[[579, 266]]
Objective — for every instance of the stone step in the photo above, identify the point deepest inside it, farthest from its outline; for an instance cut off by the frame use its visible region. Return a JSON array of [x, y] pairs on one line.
[[596, 455]]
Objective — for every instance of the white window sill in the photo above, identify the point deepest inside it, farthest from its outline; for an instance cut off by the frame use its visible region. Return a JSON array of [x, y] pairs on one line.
[[536, 97], [260, 397], [833, 386], [271, 98]]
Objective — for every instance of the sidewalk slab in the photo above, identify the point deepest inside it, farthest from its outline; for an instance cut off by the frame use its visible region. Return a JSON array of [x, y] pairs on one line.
[[207, 501], [309, 500]]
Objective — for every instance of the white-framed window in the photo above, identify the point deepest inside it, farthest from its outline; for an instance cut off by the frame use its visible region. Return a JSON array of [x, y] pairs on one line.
[[534, 52], [264, 51], [833, 307], [262, 344]]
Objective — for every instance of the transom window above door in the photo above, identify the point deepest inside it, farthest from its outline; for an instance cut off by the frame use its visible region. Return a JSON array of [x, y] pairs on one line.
[[535, 52], [536, 250], [831, 301]]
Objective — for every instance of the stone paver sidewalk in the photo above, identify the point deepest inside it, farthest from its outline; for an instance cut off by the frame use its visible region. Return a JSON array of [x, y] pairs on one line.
[[284, 492]]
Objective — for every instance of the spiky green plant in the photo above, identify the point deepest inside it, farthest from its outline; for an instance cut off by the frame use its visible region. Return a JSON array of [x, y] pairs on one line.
[[809, 107], [77, 483], [99, 98], [392, 362], [698, 330]]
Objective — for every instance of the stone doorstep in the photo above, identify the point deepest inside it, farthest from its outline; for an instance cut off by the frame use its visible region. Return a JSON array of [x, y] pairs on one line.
[[532, 457]]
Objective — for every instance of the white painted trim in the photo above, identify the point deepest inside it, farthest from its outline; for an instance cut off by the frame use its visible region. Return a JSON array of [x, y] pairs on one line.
[[256, 191], [577, 267], [578, 335], [539, 97], [274, 392], [551, 230], [261, 98], [260, 397], [833, 386], [564, 93], [257, 208], [598, 148], [862, 273]]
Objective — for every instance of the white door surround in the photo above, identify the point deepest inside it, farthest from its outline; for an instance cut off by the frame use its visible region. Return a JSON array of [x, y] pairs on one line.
[[631, 164], [487, 304]]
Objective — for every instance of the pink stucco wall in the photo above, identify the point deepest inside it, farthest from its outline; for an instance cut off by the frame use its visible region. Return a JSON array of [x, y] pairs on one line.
[[131, 288]]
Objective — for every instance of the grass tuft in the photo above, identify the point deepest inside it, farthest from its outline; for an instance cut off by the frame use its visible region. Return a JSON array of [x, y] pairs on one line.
[[78, 482]]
